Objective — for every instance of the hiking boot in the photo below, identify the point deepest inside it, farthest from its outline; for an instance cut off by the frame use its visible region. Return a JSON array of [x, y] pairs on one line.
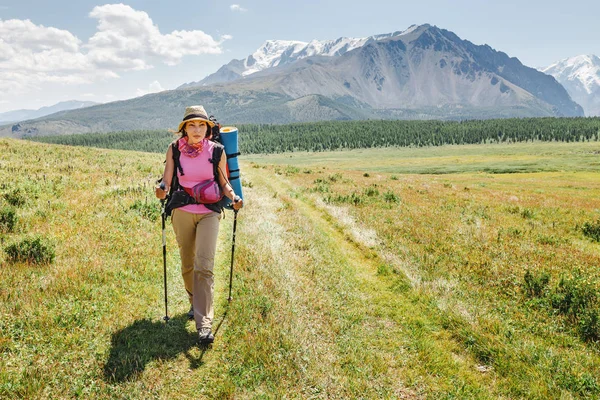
[[206, 336], [190, 314]]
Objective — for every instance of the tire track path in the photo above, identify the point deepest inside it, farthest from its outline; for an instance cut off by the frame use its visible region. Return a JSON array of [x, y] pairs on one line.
[[351, 331]]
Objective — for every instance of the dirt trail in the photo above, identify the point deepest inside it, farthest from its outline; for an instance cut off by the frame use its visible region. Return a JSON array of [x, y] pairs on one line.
[[356, 332]]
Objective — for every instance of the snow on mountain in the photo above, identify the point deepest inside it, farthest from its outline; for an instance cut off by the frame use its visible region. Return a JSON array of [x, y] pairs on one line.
[[270, 55], [580, 75], [279, 52], [585, 68]]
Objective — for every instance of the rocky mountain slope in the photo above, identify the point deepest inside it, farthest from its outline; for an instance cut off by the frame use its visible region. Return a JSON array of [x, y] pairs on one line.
[[420, 68]]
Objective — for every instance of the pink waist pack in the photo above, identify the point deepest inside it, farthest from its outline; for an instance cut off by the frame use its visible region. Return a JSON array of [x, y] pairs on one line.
[[206, 192]]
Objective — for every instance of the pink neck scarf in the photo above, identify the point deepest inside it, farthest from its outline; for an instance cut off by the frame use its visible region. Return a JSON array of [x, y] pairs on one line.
[[190, 150]]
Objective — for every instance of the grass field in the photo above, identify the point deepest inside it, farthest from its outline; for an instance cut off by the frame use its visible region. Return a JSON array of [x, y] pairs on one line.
[[492, 158], [441, 273]]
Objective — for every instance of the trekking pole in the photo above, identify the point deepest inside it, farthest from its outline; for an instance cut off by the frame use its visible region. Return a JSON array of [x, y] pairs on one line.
[[232, 252], [164, 249]]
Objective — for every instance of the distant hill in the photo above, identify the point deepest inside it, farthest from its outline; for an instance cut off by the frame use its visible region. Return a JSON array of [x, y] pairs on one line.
[[422, 73], [22, 115], [581, 77]]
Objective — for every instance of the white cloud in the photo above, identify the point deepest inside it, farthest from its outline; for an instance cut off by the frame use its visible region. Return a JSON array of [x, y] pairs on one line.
[[125, 40], [31, 54], [25, 33], [237, 7], [129, 37], [154, 87]]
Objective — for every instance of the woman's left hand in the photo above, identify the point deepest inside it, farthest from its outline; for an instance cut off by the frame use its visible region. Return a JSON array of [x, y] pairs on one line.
[[237, 203]]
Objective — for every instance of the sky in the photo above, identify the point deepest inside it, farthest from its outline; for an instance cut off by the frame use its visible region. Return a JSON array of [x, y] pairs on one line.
[[52, 51]]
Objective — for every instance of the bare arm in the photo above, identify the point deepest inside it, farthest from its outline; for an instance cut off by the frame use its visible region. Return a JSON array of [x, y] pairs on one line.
[[167, 175]]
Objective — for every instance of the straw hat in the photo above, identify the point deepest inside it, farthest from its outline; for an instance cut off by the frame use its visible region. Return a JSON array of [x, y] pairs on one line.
[[195, 113]]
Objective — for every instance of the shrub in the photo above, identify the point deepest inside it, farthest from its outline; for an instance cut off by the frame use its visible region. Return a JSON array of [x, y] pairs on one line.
[[291, 170], [8, 219], [534, 285], [513, 209], [31, 250], [592, 230], [321, 188], [589, 326], [371, 191], [514, 232], [353, 198], [147, 210], [550, 240], [16, 197], [573, 295], [527, 213], [391, 197], [384, 270], [335, 177]]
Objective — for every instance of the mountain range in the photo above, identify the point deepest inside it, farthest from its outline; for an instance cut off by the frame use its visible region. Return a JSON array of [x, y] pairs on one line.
[[423, 72], [274, 53], [581, 77], [21, 115]]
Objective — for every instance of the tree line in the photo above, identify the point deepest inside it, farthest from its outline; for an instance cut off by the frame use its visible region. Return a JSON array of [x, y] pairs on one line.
[[338, 135]]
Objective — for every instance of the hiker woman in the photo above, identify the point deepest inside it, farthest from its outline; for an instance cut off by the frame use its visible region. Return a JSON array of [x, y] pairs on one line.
[[196, 225]]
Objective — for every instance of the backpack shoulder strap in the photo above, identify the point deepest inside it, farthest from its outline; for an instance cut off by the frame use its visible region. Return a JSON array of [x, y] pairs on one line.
[[176, 155], [175, 178], [218, 150], [217, 153]]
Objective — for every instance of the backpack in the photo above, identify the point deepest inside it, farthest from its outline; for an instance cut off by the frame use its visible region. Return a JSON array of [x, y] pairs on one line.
[[230, 149]]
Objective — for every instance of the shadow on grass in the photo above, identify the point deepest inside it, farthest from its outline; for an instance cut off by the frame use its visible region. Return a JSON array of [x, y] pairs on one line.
[[144, 341]]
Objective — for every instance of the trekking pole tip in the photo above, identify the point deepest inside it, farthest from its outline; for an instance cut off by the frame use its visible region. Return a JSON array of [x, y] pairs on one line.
[[166, 318]]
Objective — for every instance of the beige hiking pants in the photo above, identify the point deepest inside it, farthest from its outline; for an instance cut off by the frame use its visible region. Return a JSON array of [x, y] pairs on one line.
[[197, 239]]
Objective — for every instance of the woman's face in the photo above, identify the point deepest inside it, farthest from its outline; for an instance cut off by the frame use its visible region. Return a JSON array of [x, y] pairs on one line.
[[196, 131]]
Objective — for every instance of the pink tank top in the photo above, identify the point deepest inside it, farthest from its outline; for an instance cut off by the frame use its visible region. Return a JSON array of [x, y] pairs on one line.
[[196, 170]]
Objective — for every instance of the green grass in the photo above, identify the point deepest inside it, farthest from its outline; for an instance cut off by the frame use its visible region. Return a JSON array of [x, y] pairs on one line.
[[491, 158], [352, 278]]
